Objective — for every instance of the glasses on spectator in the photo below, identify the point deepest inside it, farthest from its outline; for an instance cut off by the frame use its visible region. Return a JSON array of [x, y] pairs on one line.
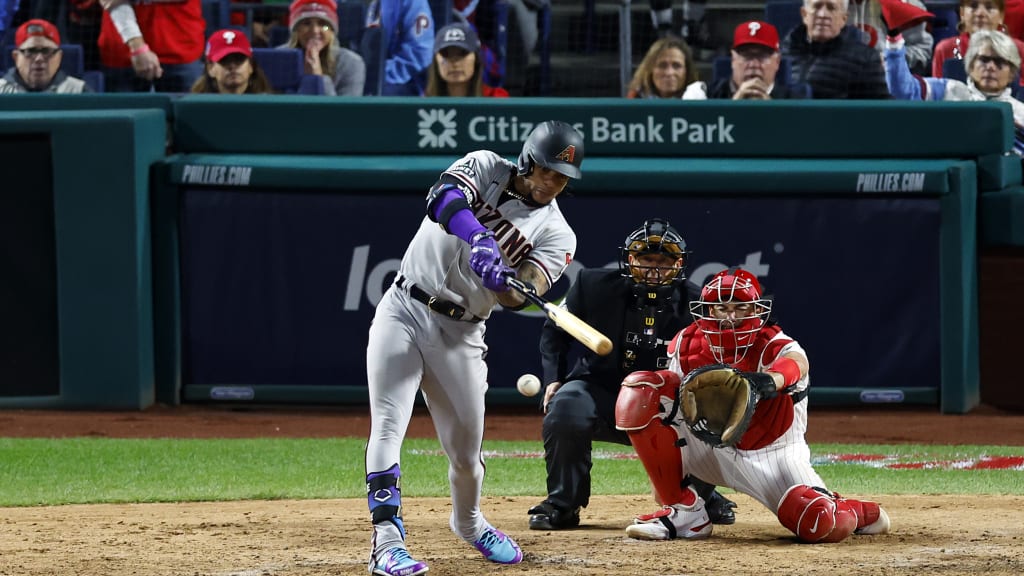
[[999, 62], [754, 53], [31, 53]]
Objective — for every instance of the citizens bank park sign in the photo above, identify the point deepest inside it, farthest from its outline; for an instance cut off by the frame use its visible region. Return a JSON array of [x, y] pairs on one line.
[[442, 128]]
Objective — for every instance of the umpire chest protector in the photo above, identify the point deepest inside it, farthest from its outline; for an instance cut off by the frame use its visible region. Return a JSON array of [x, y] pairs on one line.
[[650, 321]]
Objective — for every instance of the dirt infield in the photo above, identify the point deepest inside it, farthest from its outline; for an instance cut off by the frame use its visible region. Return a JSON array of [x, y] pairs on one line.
[[931, 534]]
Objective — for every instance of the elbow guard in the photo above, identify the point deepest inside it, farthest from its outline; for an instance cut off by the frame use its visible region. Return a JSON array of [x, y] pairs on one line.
[[443, 201]]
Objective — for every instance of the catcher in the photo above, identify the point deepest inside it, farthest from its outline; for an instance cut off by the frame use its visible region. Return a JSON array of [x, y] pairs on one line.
[[734, 397]]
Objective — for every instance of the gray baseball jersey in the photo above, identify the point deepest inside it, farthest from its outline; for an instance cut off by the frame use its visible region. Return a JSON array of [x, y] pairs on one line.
[[412, 347], [438, 262]]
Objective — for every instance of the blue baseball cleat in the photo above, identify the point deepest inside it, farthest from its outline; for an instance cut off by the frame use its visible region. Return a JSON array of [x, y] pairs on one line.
[[396, 562], [497, 547]]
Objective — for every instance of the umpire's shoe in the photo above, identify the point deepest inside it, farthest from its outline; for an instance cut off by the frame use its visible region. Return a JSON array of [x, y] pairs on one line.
[[547, 516], [720, 509]]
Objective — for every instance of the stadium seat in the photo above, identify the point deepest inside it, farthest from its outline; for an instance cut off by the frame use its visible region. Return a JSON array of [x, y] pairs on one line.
[[783, 14], [351, 23], [73, 63], [283, 67], [441, 10], [279, 36], [94, 80], [217, 14], [954, 68], [373, 49], [311, 84], [947, 17]]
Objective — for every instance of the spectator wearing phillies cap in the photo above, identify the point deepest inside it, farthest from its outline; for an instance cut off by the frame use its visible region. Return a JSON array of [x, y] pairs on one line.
[[37, 61], [230, 68], [755, 63], [830, 56], [314, 26], [151, 46], [458, 67]]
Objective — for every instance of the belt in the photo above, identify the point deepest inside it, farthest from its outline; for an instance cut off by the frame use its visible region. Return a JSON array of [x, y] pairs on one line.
[[443, 307]]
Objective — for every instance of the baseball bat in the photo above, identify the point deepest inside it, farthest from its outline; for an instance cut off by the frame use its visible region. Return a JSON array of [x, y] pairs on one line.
[[571, 323]]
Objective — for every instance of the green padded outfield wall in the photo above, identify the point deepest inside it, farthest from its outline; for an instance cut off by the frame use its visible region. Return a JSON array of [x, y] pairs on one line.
[[103, 306]]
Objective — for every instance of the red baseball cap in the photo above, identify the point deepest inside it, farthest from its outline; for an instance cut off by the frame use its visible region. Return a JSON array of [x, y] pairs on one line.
[[225, 42], [900, 15], [37, 27], [756, 32]]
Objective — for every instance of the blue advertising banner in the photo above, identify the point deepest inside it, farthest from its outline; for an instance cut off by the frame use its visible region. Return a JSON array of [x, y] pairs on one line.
[[279, 287]]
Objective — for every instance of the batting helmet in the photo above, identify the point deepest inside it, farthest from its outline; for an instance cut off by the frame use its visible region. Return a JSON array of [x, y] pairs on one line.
[[554, 145], [656, 236]]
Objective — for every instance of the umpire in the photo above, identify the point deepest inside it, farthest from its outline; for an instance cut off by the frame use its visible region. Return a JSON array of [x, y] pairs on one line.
[[641, 306]]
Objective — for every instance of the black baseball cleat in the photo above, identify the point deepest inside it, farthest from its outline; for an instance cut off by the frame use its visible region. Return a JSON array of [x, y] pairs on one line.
[[547, 516], [720, 509]]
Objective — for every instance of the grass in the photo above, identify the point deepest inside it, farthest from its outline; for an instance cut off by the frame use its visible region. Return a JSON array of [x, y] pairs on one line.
[[40, 471]]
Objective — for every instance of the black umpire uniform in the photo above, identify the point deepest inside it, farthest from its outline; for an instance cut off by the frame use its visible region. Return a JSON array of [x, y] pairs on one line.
[[641, 320]]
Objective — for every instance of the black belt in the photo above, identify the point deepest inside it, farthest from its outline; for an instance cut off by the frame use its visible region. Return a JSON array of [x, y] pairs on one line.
[[444, 307]]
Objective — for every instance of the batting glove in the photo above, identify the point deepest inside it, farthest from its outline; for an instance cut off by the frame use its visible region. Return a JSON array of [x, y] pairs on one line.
[[494, 277], [484, 254]]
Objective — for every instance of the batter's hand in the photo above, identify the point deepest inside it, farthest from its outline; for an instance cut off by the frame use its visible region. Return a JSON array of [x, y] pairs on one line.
[[494, 277], [484, 254], [549, 393]]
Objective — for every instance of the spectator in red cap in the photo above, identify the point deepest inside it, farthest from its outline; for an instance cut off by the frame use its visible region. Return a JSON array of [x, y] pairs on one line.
[[230, 68], [831, 57], [667, 71], [37, 61], [755, 63], [458, 67], [314, 26], [146, 46], [868, 16], [975, 15]]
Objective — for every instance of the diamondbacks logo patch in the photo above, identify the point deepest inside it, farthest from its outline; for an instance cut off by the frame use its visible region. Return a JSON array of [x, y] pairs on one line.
[[567, 154]]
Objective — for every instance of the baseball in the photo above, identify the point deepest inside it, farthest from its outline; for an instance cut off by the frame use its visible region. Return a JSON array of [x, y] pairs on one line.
[[528, 385]]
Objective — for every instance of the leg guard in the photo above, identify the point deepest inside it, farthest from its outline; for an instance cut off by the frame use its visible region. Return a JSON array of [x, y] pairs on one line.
[[639, 411], [871, 518], [384, 497], [816, 515]]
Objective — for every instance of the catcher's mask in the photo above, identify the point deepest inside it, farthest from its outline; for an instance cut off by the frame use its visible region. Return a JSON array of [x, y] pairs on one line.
[[656, 236], [554, 145], [730, 330]]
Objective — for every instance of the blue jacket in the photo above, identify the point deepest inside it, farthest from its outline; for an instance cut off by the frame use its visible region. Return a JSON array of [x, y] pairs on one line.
[[408, 26]]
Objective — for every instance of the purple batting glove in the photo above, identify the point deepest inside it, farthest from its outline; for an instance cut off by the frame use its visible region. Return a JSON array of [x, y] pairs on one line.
[[485, 253], [494, 277]]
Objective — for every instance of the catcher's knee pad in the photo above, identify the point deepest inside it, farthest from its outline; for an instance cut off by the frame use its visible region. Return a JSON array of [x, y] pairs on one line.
[[815, 515], [640, 397], [384, 496]]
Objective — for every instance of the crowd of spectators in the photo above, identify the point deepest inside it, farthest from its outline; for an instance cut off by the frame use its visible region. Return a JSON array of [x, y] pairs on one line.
[[842, 49]]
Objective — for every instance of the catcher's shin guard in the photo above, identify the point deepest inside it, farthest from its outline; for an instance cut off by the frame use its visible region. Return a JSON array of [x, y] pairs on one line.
[[384, 497], [640, 411], [817, 515]]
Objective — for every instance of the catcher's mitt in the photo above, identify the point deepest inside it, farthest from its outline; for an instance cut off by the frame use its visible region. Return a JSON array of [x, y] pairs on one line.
[[718, 402]]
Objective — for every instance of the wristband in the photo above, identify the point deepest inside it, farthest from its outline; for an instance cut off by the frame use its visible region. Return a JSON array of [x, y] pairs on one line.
[[789, 369], [140, 50]]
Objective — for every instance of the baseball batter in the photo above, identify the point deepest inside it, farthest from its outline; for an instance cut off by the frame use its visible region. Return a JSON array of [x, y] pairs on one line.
[[486, 219], [771, 462]]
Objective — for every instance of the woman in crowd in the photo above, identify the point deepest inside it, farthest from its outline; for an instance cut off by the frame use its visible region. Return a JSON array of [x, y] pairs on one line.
[[975, 15], [667, 71], [992, 61], [458, 68], [314, 26], [230, 68]]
